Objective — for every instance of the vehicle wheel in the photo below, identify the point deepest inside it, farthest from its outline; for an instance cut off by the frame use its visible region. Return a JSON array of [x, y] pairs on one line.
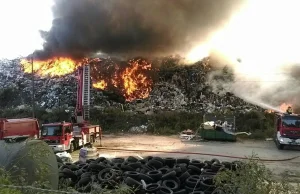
[[77, 145], [71, 147], [279, 146], [92, 140]]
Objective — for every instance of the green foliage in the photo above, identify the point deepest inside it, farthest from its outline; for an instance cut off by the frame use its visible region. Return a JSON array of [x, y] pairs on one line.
[[115, 120], [260, 124], [252, 177], [174, 122], [55, 115], [9, 97]]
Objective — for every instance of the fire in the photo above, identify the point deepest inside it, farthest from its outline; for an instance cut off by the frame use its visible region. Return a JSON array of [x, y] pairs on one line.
[[136, 84], [269, 111], [51, 67], [56, 66], [132, 79], [283, 107], [101, 85]]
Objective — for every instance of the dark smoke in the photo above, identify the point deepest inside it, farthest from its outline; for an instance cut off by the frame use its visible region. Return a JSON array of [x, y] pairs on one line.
[[132, 27]]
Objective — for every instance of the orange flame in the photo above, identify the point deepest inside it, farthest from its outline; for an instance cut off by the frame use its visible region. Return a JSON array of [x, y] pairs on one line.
[[101, 85], [269, 111], [136, 85], [283, 107], [51, 67], [132, 81]]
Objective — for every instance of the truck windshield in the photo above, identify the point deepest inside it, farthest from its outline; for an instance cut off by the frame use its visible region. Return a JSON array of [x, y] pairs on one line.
[[291, 121], [52, 131]]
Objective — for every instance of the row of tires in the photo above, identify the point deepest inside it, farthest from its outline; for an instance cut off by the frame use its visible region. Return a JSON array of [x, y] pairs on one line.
[[153, 175]]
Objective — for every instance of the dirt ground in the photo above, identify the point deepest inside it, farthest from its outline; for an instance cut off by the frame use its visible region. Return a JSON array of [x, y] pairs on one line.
[[263, 149]]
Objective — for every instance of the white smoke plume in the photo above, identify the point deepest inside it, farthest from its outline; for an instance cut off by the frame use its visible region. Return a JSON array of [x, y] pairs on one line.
[[261, 44]]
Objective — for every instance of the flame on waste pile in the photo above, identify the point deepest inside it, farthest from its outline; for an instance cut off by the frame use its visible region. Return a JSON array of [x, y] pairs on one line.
[[100, 84], [57, 66], [133, 81]]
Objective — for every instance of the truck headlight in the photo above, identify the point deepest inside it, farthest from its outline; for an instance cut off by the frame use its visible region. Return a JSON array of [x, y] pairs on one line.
[[60, 146], [280, 139]]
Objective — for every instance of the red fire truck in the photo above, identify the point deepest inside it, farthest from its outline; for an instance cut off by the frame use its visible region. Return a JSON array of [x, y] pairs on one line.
[[287, 127], [19, 127], [65, 136]]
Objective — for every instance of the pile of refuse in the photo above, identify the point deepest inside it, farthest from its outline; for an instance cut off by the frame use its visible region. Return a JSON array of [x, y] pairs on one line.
[[148, 175], [179, 88]]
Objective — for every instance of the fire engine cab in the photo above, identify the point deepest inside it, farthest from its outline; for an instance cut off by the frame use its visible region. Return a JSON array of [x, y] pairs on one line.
[[287, 127], [66, 136]]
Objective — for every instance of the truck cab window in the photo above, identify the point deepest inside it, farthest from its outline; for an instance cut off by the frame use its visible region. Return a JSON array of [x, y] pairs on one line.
[[291, 121], [51, 131]]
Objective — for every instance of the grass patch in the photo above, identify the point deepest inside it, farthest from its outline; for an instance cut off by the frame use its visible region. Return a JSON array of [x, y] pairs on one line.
[[252, 177]]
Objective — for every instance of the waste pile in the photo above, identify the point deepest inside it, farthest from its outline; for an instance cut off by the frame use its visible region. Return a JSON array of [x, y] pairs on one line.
[[178, 87], [148, 175]]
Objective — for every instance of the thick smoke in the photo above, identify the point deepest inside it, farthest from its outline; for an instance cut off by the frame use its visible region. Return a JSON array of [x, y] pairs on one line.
[[269, 93], [133, 27], [267, 44]]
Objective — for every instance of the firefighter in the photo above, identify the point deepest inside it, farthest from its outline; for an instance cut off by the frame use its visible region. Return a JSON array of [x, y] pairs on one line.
[[289, 110]]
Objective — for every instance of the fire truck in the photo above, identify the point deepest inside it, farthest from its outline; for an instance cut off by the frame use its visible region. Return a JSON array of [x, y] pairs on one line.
[[69, 136], [287, 129]]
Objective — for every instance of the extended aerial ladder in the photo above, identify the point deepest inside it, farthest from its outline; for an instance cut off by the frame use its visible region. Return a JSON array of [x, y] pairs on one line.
[[79, 132], [82, 112]]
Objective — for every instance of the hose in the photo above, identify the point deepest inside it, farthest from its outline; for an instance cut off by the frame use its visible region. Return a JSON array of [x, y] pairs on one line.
[[197, 153]]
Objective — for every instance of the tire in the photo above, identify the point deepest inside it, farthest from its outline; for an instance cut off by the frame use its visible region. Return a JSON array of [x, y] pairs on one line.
[[132, 183], [146, 178], [155, 163], [279, 145], [77, 145], [171, 184], [207, 184], [216, 167], [106, 175], [71, 150], [193, 181], [152, 188], [155, 175], [182, 191], [164, 170], [170, 162], [184, 177], [58, 159], [92, 140], [197, 163], [133, 175], [165, 190], [194, 170], [169, 175]]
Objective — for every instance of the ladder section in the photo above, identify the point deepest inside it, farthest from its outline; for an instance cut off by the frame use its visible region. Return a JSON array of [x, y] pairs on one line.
[[86, 92]]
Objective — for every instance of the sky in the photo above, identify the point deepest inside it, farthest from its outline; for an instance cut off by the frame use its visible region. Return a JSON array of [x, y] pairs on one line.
[[20, 22]]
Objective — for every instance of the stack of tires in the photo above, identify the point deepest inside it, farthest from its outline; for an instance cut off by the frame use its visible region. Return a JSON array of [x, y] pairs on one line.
[[150, 175]]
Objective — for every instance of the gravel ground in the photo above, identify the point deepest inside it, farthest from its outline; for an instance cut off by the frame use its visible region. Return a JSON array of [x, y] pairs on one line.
[[263, 149]]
